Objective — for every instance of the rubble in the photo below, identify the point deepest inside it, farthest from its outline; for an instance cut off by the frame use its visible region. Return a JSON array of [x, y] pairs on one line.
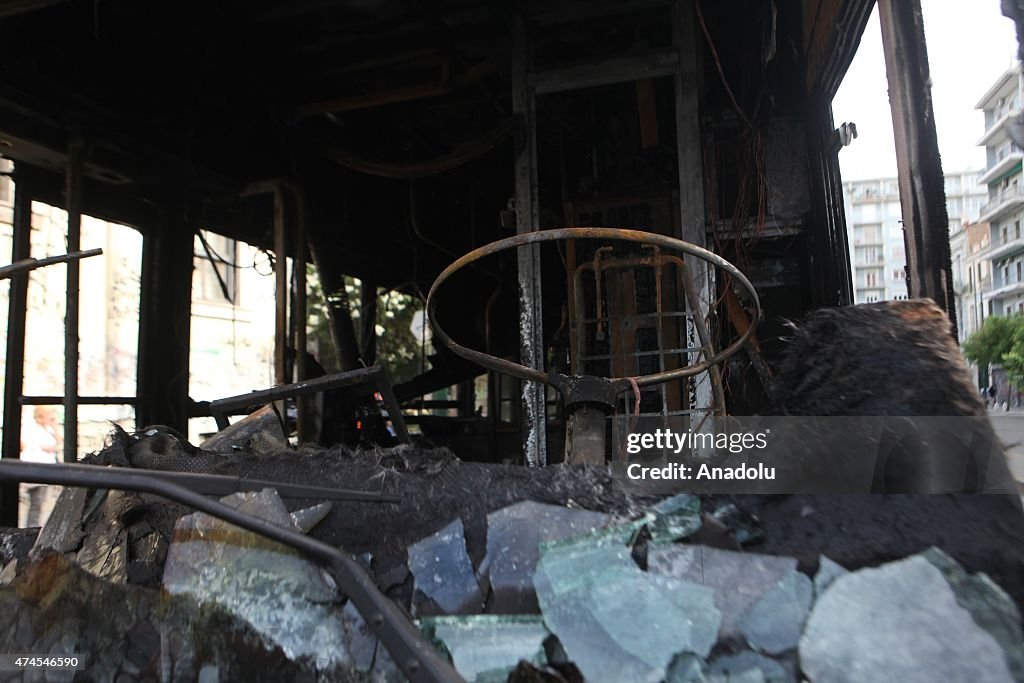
[[137, 634], [444, 575], [485, 649], [624, 590], [828, 571], [287, 599], [902, 622], [615, 621], [737, 579], [514, 536], [774, 623]]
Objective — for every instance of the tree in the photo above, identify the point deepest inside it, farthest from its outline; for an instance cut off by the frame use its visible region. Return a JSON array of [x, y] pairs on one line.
[[999, 341], [399, 349]]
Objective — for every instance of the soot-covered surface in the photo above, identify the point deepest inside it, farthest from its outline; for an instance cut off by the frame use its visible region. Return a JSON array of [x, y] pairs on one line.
[[983, 532], [890, 358], [434, 487]]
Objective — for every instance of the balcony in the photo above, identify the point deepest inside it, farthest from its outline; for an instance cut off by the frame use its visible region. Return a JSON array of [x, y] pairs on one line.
[[1011, 246], [1004, 163], [867, 262], [1012, 289], [1009, 199], [996, 133]]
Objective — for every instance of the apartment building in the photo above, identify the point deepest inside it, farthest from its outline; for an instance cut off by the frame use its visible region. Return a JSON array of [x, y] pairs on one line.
[[1004, 208], [875, 228]]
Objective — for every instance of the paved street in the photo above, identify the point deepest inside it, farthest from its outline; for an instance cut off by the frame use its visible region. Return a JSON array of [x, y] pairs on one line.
[[1010, 428]]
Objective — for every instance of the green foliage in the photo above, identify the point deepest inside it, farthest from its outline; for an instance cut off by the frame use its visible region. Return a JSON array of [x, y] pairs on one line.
[[999, 341], [994, 339], [398, 348]]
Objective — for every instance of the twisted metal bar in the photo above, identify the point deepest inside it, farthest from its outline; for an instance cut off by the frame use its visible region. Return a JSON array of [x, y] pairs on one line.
[[411, 651], [620, 383]]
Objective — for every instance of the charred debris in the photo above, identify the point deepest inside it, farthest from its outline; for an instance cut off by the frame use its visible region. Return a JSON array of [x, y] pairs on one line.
[[384, 140]]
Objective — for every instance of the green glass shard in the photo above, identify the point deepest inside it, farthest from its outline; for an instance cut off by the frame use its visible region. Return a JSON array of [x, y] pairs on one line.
[[486, 648], [674, 518]]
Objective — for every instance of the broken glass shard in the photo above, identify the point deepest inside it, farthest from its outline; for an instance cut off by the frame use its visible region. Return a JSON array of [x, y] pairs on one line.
[[686, 668], [486, 648], [731, 666], [674, 518], [774, 623], [738, 579], [828, 571], [514, 535], [744, 526], [897, 622], [989, 605], [615, 621], [444, 574], [286, 598], [307, 518]]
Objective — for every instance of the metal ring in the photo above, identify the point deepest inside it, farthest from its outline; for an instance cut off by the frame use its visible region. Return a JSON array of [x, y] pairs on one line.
[[622, 234]]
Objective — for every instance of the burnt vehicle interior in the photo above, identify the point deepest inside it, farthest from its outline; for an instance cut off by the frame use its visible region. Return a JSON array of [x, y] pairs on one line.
[[385, 140]]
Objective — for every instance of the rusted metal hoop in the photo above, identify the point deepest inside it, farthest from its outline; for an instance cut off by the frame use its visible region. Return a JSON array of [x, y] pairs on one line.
[[621, 234]]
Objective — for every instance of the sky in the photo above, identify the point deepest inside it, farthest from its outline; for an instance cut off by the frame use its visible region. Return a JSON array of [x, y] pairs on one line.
[[970, 43]]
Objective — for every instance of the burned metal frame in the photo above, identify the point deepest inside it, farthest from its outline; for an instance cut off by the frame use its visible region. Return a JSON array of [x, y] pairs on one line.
[[657, 262], [623, 234], [223, 485], [415, 656], [374, 376], [26, 265], [591, 398]]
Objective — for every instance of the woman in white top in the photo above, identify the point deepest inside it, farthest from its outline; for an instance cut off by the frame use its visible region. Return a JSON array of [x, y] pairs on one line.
[[40, 442]]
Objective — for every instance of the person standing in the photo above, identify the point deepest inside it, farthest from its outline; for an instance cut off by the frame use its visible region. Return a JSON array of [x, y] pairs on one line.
[[40, 442]]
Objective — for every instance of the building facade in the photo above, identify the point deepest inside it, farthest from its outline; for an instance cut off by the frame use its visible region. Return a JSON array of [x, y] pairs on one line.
[[232, 324], [1004, 207], [875, 227]]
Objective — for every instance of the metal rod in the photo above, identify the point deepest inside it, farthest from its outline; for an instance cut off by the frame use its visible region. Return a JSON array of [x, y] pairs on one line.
[[414, 655], [26, 265], [82, 400], [281, 279], [303, 424], [14, 370], [224, 484], [73, 197]]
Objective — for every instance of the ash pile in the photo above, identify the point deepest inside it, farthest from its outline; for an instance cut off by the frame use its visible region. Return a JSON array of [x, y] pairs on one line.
[[520, 575], [552, 574]]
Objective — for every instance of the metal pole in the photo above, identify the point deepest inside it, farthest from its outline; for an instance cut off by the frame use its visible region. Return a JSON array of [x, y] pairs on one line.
[[368, 321], [922, 187], [303, 426], [73, 198], [691, 189], [281, 278], [14, 372], [531, 332]]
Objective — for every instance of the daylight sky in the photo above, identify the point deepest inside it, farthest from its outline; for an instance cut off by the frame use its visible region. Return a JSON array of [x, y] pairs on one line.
[[970, 43]]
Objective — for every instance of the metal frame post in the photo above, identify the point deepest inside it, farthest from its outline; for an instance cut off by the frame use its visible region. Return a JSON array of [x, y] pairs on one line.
[[281, 287], [73, 200], [531, 332], [165, 309], [691, 185], [922, 187], [14, 372]]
